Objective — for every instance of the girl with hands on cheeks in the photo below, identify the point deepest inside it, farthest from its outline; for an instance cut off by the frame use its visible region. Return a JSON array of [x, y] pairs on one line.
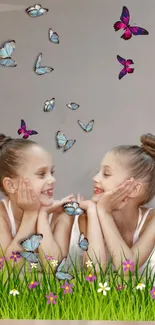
[[27, 181], [121, 225]]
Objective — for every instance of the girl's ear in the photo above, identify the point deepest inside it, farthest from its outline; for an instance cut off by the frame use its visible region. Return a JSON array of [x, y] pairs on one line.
[[137, 189], [10, 185]]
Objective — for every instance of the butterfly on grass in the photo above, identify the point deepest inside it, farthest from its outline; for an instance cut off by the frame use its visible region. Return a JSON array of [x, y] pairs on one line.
[[128, 30], [73, 209], [5, 54], [62, 141], [36, 11], [73, 106], [30, 245], [63, 275], [23, 130], [83, 242], [41, 69], [49, 105], [126, 66], [88, 127], [53, 36]]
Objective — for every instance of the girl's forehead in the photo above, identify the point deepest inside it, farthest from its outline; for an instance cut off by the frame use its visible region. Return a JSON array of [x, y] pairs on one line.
[[38, 156]]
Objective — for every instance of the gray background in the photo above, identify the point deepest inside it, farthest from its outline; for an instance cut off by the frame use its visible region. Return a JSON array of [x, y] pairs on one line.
[[85, 71]]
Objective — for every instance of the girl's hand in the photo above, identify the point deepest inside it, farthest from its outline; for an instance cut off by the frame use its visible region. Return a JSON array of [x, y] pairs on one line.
[[26, 198], [85, 204], [117, 198], [57, 206]]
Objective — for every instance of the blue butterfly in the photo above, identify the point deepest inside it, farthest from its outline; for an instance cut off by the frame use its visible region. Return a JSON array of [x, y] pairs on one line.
[[30, 245], [88, 127], [62, 141], [62, 275], [5, 54], [73, 209], [49, 105], [36, 11], [40, 69], [73, 106], [83, 242], [53, 36]]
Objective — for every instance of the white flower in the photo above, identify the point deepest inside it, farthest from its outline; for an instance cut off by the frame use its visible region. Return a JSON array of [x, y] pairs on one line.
[[54, 263], [14, 292], [89, 263], [103, 287], [33, 265], [140, 286]]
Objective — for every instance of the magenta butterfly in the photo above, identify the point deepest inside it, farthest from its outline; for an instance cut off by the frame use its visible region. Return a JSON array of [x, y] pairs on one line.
[[129, 30], [23, 129], [126, 64]]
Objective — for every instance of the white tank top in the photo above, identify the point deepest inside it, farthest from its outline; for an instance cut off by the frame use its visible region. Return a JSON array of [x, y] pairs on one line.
[[11, 217]]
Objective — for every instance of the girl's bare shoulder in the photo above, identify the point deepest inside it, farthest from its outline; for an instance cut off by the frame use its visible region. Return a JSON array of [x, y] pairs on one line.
[[3, 216], [150, 218]]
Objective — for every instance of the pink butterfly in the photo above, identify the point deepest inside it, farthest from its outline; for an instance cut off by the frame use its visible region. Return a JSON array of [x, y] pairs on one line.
[[129, 30], [24, 130], [126, 64]]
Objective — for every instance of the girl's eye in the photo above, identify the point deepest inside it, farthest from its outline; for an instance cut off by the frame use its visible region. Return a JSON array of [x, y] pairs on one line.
[[52, 172], [41, 174], [106, 174]]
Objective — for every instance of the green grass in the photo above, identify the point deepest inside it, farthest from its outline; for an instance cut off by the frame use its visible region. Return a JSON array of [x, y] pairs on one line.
[[85, 303]]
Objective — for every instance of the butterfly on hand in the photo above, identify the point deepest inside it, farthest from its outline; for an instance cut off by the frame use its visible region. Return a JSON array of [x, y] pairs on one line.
[[23, 130], [36, 11], [88, 127], [62, 141], [73, 209], [40, 70], [49, 105], [30, 245], [63, 275], [83, 242], [128, 30], [5, 54], [73, 106], [126, 69], [53, 36]]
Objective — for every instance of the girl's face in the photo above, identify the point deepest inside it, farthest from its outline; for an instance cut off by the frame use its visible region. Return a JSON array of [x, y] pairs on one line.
[[111, 174], [39, 169]]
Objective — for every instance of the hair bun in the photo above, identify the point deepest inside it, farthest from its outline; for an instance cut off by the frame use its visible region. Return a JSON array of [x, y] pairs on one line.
[[148, 143], [3, 140]]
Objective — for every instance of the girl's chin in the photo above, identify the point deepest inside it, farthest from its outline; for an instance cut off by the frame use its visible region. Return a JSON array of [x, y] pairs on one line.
[[95, 198], [47, 202]]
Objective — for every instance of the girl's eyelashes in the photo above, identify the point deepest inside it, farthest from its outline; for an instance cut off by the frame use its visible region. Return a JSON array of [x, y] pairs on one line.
[[52, 171]]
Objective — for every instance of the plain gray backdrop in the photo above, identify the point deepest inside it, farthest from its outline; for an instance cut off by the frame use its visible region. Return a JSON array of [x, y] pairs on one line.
[[86, 72]]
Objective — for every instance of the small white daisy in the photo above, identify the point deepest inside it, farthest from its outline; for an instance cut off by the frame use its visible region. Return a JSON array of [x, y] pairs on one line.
[[14, 292], [140, 286], [89, 263], [54, 263], [33, 265], [104, 288]]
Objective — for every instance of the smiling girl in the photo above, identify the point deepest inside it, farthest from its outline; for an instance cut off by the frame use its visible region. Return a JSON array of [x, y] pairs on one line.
[[27, 181], [117, 222]]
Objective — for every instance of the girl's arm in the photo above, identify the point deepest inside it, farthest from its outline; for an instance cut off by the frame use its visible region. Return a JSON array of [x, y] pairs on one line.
[[92, 231]]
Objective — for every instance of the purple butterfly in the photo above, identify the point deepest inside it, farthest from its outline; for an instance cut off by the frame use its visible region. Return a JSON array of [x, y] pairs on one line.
[[129, 30], [24, 130], [126, 64]]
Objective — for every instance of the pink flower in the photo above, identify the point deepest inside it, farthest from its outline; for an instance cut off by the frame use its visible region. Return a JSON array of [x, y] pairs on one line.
[[67, 286], [51, 298], [49, 258], [128, 265], [90, 278], [120, 287], [2, 260], [33, 285], [15, 255], [152, 292]]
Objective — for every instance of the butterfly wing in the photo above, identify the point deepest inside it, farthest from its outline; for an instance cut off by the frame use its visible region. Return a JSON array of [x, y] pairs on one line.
[[61, 139], [119, 25], [129, 70], [63, 276], [43, 70], [127, 34], [22, 129], [8, 62], [69, 144], [135, 30], [30, 256], [88, 127], [125, 16], [62, 263], [36, 11], [38, 61], [121, 60], [122, 73], [31, 132], [73, 106], [27, 244], [49, 105], [7, 50], [128, 62], [53, 36], [83, 242], [78, 211], [69, 209]]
